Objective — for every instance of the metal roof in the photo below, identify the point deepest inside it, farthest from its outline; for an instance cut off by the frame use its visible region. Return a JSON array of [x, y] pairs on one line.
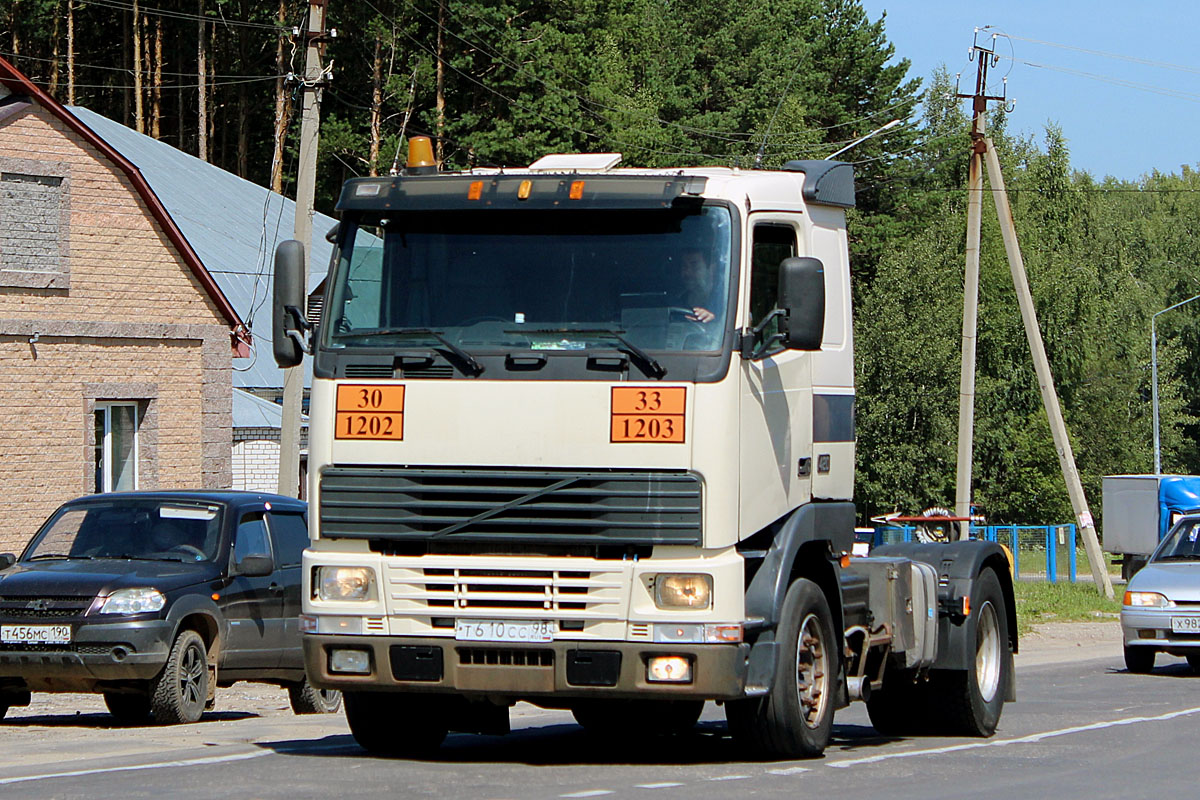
[[233, 225], [251, 411]]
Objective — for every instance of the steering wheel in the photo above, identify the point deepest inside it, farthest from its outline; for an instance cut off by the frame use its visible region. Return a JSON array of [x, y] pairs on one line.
[[190, 549]]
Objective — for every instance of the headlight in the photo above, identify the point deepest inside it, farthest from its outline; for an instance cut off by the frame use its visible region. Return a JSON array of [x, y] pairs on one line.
[[683, 591], [1147, 600], [344, 583], [133, 601]]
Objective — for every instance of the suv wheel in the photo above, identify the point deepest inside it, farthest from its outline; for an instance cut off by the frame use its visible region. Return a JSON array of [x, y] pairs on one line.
[[179, 692], [307, 699], [128, 707]]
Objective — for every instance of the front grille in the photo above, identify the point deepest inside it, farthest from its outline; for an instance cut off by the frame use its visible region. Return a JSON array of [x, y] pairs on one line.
[[449, 591], [546, 506], [49, 607], [80, 649], [369, 371], [505, 657]]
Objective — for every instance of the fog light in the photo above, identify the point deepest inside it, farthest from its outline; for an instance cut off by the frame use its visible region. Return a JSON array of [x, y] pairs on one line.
[[669, 669], [357, 662]]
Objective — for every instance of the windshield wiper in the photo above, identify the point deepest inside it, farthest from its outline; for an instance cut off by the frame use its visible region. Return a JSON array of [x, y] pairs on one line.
[[463, 361], [646, 362], [1179, 557], [40, 556]]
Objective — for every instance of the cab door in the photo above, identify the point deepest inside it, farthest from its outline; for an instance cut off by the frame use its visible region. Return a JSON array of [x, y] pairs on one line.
[[776, 391], [253, 604]]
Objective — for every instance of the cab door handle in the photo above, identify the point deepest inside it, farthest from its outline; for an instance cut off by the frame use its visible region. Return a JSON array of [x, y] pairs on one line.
[[275, 588]]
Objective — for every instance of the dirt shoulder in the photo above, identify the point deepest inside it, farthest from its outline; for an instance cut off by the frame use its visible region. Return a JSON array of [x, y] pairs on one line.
[[1056, 642]]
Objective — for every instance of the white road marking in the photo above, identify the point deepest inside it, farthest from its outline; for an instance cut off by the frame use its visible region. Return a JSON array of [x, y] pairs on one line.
[[186, 762], [590, 793], [664, 785], [729, 778], [789, 771], [1030, 739]]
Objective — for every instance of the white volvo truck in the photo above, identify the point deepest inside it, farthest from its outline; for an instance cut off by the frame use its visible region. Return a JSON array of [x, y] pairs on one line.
[[583, 436]]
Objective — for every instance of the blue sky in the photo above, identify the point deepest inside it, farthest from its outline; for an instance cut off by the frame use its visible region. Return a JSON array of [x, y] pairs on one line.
[[1111, 129]]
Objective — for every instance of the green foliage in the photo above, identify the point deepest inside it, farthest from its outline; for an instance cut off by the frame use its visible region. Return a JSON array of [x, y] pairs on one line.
[[1039, 602]]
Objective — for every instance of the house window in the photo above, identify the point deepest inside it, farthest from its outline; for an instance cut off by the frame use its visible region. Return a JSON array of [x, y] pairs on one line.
[[116, 448], [33, 224]]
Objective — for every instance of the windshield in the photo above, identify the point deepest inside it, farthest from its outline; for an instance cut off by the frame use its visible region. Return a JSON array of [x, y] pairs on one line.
[[131, 529], [1181, 544], [541, 280]]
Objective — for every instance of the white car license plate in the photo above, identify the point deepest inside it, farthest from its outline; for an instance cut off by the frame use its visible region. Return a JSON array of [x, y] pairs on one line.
[[504, 630], [1185, 624], [35, 634]]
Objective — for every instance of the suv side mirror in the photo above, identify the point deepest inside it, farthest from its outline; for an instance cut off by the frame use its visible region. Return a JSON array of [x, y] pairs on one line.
[[802, 298], [289, 328], [256, 565], [7, 560]]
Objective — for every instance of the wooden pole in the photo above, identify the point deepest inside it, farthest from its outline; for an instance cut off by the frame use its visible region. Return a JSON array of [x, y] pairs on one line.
[[966, 386], [1041, 365]]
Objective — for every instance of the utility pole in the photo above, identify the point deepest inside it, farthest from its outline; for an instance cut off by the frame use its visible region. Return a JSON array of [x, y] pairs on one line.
[[306, 182], [966, 387], [982, 146]]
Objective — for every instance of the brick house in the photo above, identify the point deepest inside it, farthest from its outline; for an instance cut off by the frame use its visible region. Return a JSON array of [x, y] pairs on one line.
[[116, 343]]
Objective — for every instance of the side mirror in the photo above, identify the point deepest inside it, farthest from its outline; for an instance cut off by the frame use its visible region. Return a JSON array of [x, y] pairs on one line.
[[288, 325], [802, 298], [7, 560], [256, 566]]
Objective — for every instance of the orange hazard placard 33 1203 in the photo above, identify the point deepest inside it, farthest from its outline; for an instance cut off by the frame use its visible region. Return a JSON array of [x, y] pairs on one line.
[[370, 412], [648, 414]]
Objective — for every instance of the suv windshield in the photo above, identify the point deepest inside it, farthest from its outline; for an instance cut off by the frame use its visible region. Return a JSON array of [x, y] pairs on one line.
[[1181, 544], [541, 280], [130, 528]]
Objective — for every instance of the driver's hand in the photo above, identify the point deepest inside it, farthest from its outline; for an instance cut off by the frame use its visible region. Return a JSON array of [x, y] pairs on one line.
[[702, 315]]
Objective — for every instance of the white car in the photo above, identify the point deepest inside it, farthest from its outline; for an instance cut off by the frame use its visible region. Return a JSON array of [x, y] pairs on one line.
[[1161, 609]]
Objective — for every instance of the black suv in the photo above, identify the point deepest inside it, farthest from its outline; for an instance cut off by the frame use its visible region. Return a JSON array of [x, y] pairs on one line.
[[154, 599]]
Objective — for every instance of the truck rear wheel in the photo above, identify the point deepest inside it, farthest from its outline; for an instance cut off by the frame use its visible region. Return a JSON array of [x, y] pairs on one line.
[[394, 724], [974, 697], [795, 719], [640, 718]]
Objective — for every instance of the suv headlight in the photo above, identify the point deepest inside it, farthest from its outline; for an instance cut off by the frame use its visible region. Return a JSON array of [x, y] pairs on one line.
[[683, 591], [344, 583], [1147, 600], [133, 601]]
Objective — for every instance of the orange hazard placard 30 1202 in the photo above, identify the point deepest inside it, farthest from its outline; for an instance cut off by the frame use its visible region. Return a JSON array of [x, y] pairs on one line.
[[370, 412], [648, 414]]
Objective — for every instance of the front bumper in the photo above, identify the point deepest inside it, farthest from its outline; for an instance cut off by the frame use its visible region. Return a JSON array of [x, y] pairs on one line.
[[1151, 627], [561, 668], [97, 652]]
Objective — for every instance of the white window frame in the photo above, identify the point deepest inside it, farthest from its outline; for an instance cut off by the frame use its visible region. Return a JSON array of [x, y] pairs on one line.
[[104, 477]]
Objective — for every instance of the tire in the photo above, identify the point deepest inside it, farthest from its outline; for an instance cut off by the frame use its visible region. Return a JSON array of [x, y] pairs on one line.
[[307, 699], [392, 724], [1193, 660], [972, 699], [178, 694], [900, 708], [128, 707], [637, 718], [3, 710], [795, 719], [1141, 659]]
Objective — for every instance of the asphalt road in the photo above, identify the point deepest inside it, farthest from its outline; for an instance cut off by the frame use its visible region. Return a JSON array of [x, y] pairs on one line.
[[1082, 728]]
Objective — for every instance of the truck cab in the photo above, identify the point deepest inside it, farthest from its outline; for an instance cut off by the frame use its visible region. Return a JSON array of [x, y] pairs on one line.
[[584, 436]]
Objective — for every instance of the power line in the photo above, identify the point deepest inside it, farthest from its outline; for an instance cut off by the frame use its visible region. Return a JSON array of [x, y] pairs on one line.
[[1128, 84], [120, 5], [127, 70], [1132, 59]]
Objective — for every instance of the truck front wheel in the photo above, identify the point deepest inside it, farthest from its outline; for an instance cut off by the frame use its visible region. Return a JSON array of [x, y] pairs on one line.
[[394, 724], [795, 719]]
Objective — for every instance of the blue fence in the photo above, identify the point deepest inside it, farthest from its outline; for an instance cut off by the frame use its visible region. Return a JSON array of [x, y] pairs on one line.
[[1045, 552]]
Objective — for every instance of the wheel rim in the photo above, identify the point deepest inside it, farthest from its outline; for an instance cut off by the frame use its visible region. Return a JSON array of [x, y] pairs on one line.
[[191, 676], [988, 652], [812, 671], [328, 698]]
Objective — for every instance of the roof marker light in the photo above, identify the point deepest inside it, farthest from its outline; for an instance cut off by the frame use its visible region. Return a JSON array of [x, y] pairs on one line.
[[576, 192], [524, 189], [475, 190]]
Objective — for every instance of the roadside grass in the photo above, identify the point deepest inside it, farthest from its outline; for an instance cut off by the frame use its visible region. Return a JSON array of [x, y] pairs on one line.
[[1039, 601]]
